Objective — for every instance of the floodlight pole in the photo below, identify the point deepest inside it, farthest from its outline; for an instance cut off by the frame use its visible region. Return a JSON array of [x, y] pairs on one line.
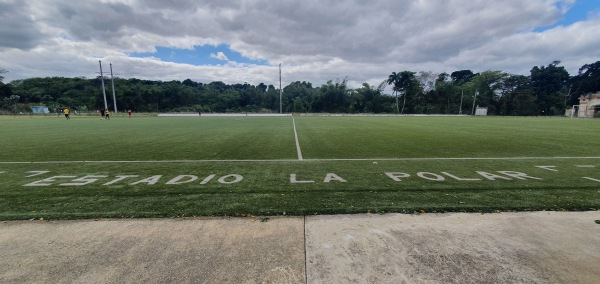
[[113, 88], [280, 90], [103, 90], [474, 99], [462, 93]]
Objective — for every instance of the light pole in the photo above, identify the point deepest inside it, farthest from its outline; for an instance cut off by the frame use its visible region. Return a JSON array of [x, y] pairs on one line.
[[113, 88], [103, 90], [462, 93], [280, 90], [474, 99]]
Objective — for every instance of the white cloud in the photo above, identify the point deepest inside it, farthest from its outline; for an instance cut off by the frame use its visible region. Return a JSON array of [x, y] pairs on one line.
[[315, 40], [219, 55]]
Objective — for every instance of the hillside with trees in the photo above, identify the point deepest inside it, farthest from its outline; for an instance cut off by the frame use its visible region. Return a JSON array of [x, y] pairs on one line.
[[548, 90]]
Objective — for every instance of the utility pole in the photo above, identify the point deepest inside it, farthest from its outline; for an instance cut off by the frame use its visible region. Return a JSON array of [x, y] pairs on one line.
[[113, 88], [103, 90], [462, 93], [474, 99], [280, 90]]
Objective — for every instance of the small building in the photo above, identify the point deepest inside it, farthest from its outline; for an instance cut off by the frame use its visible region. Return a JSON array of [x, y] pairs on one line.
[[589, 106], [481, 111], [40, 109]]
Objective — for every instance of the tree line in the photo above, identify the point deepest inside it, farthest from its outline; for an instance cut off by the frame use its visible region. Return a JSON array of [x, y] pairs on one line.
[[548, 90]]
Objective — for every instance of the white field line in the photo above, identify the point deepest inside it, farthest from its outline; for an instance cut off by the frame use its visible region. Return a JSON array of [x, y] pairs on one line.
[[297, 143], [305, 160]]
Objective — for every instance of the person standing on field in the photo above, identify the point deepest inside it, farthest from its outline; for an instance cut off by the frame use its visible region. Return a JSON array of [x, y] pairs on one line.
[[66, 112], [129, 113], [106, 114]]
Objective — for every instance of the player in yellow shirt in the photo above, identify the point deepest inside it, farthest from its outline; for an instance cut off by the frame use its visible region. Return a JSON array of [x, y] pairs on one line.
[[106, 114], [66, 112]]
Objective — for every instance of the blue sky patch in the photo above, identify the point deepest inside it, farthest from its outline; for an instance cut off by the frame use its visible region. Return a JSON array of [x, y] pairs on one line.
[[578, 12], [200, 55]]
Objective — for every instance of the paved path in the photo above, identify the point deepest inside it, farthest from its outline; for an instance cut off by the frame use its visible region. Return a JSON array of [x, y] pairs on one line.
[[535, 247]]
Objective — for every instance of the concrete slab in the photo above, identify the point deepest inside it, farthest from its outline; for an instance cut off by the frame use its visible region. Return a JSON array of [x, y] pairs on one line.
[[537, 247], [238, 250]]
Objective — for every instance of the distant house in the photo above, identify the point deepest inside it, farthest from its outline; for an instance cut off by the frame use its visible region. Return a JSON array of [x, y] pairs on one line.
[[39, 109], [589, 105]]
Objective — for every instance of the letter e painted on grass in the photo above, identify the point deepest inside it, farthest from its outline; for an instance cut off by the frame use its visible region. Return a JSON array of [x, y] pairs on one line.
[[294, 179], [236, 178], [83, 181], [178, 179], [47, 181], [518, 175], [331, 176], [397, 176], [150, 181]]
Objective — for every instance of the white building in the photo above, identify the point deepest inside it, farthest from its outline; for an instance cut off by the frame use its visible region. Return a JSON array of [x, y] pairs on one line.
[[589, 105]]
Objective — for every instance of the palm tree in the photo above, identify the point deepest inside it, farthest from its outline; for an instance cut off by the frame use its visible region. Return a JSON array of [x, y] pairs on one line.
[[394, 79], [402, 82]]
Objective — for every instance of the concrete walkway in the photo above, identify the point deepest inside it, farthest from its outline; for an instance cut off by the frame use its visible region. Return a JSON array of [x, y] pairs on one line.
[[534, 247]]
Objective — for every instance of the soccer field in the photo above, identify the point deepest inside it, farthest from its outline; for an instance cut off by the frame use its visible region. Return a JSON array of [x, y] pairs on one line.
[[203, 166]]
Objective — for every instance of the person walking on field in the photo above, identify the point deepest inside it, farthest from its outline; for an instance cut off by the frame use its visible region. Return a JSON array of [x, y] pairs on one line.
[[129, 113], [66, 112], [106, 114]]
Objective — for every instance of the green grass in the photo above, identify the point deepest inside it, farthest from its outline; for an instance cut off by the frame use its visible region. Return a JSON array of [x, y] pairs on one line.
[[400, 137], [266, 189], [145, 138]]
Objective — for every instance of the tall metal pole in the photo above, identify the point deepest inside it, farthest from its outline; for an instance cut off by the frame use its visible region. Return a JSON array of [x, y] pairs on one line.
[[280, 90], [474, 99], [113, 88], [103, 90], [461, 98]]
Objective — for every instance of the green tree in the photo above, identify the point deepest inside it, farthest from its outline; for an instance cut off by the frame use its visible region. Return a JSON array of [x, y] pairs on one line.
[[11, 102], [587, 81], [2, 71], [333, 97], [488, 85], [459, 79], [404, 82], [394, 80], [298, 97], [549, 83], [517, 96]]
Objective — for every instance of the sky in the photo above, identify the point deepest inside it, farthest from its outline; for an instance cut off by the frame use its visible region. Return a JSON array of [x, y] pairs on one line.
[[316, 41]]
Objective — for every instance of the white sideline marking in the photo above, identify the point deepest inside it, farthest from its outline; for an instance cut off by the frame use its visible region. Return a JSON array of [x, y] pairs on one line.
[[592, 179], [308, 160], [297, 143]]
